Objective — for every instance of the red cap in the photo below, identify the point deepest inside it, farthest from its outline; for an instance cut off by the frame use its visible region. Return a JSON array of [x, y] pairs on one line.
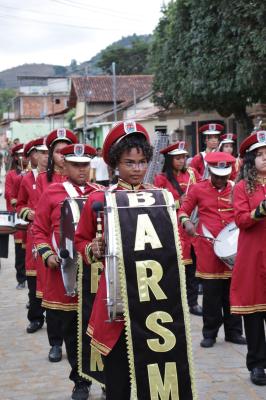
[[78, 152], [40, 144], [120, 131], [175, 149], [60, 134], [17, 149], [252, 142], [28, 148], [211, 129], [220, 163], [228, 138]]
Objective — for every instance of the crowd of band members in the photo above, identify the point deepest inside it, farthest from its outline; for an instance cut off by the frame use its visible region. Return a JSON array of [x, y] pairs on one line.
[[207, 183]]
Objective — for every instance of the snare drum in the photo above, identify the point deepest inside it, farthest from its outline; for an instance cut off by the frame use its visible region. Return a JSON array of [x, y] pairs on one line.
[[114, 299], [7, 222], [20, 224], [225, 247], [70, 215]]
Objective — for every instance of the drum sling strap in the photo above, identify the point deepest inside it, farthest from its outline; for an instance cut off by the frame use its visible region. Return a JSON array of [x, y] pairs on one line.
[[90, 363], [152, 279]]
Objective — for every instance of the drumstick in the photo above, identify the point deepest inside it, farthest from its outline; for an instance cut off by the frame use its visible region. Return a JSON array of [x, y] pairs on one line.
[[211, 239], [188, 184]]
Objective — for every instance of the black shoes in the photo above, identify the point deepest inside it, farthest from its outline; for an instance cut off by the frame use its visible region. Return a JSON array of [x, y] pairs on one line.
[[55, 354], [34, 326], [81, 391], [207, 342], [21, 285], [236, 339], [196, 310], [258, 376]]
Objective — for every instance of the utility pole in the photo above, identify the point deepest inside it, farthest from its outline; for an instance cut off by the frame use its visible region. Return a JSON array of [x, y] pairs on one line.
[[85, 109], [114, 91]]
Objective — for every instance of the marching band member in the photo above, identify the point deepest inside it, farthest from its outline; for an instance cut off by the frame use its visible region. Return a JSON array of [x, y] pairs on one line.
[[248, 288], [127, 149], [213, 197], [211, 133], [47, 238], [26, 210], [177, 178], [228, 145], [13, 179], [55, 141]]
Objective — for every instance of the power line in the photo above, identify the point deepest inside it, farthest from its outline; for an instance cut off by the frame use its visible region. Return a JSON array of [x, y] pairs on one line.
[[102, 10], [64, 25]]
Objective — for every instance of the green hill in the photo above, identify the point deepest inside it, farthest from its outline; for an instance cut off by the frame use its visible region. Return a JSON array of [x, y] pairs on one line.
[[8, 77]]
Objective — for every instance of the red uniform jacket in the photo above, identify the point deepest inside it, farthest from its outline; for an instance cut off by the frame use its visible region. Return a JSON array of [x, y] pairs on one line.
[[198, 164], [46, 224], [215, 212], [190, 176], [248, 286], [27, 202], [41, 185], [104, 334]]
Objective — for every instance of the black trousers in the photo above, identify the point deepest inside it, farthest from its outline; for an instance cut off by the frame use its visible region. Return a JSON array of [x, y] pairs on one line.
[[255, 334], [191, 281], [35, 311], [20, 263], [68, 321], [54, 327], [116, 371], [216, 309], [4, 239]]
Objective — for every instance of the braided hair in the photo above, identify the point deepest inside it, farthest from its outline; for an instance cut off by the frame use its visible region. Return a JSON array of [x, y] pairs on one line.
[[248, 171]]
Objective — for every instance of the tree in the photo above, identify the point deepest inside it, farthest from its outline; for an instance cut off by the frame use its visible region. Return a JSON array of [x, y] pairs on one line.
[[6, 95], [131, 60], [210, 55]]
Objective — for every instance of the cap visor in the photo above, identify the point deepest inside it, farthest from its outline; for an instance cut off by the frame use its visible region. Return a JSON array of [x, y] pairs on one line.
[[81, 159], [211, 133], [221, 171], [177, 152], [42, 148]]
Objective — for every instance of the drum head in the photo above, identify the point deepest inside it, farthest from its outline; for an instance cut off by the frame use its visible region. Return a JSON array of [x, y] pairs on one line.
[[226, 243], [70, 215]]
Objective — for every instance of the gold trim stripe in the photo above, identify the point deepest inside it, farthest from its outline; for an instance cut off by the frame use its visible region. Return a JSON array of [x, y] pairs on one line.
[[248, 309], [205, 275], [31, 272], [59, 306]]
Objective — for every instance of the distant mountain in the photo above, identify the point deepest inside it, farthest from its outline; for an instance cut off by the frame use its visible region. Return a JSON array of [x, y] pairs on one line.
[[8, 77]]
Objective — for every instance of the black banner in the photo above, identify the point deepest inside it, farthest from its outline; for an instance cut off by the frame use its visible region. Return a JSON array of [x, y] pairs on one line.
[[90, 363], [152, 278]]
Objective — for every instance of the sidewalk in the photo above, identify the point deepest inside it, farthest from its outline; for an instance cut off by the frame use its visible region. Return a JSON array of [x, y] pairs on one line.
[[26, 373]]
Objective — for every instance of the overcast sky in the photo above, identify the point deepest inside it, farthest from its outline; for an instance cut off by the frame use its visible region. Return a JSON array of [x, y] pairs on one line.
[[57, 31]]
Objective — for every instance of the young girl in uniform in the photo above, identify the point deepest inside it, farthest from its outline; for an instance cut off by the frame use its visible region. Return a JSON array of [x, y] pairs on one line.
[[248, 287]]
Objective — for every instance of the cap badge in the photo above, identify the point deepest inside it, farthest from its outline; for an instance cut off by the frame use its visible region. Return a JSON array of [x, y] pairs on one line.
[[221, 164], [181, 146], [61, 133], [130, 127], [79, 150], [212, 127], [229, 136], [261, 137]]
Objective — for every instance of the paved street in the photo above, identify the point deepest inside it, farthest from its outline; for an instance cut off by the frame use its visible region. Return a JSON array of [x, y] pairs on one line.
[[26, 373]]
